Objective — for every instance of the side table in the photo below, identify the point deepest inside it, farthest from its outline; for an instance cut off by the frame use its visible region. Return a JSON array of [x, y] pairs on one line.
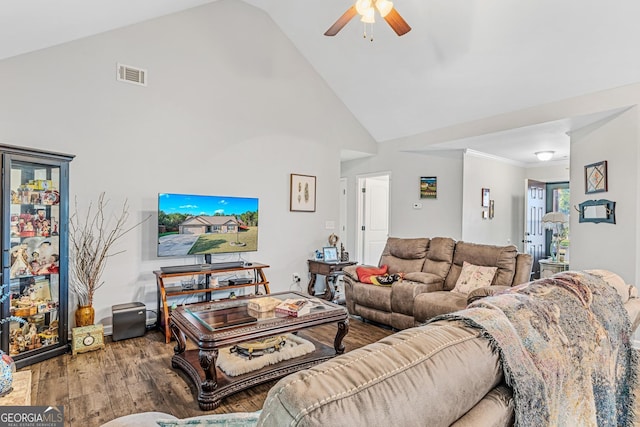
[[549, 267], [330, 271]]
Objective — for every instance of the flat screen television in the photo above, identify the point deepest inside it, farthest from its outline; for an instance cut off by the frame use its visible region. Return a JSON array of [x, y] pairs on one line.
[[191, 224]]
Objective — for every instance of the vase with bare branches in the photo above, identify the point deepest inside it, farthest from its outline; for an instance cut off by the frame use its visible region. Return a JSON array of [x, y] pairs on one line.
[[91, 239]]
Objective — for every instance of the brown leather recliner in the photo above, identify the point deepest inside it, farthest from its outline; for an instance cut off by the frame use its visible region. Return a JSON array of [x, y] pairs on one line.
[[431, 267]]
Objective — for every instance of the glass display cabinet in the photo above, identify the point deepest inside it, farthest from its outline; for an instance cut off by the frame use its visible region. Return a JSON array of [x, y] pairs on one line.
[[35, 212]]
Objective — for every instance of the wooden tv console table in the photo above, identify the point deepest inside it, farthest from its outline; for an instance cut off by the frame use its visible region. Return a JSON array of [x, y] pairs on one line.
[[167, 291]]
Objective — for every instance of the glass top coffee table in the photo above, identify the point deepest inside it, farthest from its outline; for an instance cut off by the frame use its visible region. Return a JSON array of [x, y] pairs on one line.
[[216, 324]]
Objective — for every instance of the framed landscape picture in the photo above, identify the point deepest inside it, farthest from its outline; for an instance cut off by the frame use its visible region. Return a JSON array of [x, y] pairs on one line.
[[595, 177], [302, 193], [428, 187]]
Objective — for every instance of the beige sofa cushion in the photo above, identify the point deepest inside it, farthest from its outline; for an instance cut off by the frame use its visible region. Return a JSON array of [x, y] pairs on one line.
[[398, 381], [432, 304], [503, 257], [404, 255], [376, 297], [496, 409], [439, 256]]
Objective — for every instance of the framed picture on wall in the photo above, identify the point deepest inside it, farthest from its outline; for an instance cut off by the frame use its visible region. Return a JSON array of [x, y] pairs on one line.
[[485, 197], [428, 187], [302, 193], [595, 177]]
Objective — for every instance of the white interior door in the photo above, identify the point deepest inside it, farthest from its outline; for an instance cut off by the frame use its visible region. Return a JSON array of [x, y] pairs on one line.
[[534, 234], [373, 227]]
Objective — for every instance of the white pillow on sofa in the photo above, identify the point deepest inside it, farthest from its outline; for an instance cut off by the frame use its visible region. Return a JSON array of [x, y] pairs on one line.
[[473, 277], [625, 291]]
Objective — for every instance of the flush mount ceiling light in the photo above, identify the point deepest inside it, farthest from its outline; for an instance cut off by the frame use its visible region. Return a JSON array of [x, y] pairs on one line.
[[544, 156], [366, 9]]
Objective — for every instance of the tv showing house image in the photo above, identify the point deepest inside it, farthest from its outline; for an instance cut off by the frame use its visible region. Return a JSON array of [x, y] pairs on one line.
[[196, 225]]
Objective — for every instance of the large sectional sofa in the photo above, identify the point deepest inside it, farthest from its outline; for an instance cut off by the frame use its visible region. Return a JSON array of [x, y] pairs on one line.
[[430, 268], [455, 371]]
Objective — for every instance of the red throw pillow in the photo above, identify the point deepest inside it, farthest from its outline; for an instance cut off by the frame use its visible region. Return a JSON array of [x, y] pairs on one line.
[[365, 273]]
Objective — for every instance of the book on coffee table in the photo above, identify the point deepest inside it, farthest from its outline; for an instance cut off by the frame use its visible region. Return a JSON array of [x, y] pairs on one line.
[[293, 307], [297, 307]]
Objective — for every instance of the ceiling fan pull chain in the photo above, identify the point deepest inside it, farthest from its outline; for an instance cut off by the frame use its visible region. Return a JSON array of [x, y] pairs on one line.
[[365, 31]]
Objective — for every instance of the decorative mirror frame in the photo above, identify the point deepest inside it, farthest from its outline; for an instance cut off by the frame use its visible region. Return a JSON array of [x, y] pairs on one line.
[[608, 205]]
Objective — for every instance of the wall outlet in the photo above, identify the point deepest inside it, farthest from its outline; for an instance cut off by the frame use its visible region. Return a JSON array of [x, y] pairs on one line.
[[296, 278]]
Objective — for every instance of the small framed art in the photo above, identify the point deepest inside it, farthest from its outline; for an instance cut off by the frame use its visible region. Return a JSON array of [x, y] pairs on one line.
[[485, 197], [428, 187], [330, 254], [302, 193], [595, 177]]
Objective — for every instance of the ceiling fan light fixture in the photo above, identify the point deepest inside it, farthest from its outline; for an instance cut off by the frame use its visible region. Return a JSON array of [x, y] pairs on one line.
[[544, 156], [363, 6], [366, 9], [369, 16], [384, 7]]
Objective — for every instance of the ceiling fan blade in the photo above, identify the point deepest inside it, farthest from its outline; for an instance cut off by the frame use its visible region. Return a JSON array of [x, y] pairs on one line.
[[341, 22], [396, 22]]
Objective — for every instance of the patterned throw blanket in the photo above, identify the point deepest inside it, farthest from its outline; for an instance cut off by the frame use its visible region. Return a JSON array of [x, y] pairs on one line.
[[565, 347]]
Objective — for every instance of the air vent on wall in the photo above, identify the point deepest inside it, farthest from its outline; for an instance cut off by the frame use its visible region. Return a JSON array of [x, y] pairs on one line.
[[129, 74]]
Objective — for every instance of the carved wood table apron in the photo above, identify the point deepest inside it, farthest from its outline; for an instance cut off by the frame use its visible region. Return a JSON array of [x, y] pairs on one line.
[[216, 324], [330, 271]]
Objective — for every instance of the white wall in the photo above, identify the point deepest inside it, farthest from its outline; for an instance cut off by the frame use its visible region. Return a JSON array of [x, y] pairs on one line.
[[226, 112], [557, 172], [612, 247], [438, 217], [506, 184], [457, 212], [608, 246]]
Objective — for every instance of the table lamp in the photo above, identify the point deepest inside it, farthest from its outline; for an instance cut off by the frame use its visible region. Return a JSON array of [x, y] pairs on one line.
[[553, 221]]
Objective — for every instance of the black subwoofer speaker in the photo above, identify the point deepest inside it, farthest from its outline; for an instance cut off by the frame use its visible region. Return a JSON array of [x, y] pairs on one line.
[[129, 320]]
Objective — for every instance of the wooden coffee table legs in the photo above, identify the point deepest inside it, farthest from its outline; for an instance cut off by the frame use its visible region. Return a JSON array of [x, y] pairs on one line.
[[208, 365], [343, 329], [208, 399], [212, 386]]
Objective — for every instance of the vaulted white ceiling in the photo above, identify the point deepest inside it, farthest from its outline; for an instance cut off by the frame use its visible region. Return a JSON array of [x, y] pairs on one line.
[[462, 61]]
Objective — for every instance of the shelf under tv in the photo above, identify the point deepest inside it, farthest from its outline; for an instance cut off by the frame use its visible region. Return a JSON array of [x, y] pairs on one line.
[[167, 291], [201, 267]]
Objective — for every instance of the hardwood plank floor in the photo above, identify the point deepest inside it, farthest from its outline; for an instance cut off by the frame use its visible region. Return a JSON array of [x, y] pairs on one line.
[[135, 375]]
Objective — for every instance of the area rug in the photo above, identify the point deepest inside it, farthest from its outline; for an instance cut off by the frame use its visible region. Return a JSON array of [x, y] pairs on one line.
[[234, 364], [565, 347]]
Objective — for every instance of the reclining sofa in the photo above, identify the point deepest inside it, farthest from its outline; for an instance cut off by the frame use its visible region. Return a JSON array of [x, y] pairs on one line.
[[430, 268]]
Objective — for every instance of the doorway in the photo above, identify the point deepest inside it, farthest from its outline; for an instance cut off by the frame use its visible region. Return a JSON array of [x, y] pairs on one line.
[[558, 200], [372, 217], [534, 235]]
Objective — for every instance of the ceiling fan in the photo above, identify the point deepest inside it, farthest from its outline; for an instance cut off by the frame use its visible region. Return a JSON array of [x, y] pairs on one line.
[[365, 8]]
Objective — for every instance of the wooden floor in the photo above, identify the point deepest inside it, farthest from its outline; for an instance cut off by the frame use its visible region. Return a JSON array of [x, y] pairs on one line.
[[135, 375]]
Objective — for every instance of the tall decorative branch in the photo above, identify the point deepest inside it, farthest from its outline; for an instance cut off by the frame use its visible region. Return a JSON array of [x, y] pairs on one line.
[[91, 240]]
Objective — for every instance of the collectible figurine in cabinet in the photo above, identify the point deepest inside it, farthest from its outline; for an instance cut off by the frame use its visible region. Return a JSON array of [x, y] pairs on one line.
[[19, 261]]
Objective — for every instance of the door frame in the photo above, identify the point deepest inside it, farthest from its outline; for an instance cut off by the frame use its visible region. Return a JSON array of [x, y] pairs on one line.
[[360, 211], [343, 226]]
